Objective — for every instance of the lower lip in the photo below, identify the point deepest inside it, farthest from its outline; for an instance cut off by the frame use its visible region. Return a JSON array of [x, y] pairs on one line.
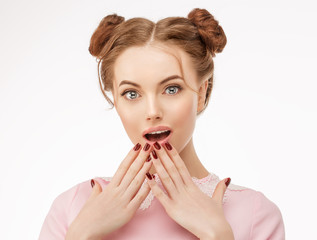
[[162, 141]]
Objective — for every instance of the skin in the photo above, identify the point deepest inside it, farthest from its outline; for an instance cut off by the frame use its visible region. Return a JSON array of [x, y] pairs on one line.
[[153, 105]]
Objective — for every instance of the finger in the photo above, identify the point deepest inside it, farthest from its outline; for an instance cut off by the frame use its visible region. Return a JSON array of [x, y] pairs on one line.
[[125, 164], [139, 197], [179, 163], [96, 189], [136, 166], [135, 185], [169, 165], [133, 156], [158, 192], [221, 189], [164, 176]]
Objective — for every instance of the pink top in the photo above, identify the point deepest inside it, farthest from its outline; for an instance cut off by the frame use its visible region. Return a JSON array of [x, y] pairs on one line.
[[250, 214]]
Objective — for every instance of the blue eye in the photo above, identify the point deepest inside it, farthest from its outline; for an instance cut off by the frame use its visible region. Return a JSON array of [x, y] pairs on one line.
[[175, 89], [132, 94]]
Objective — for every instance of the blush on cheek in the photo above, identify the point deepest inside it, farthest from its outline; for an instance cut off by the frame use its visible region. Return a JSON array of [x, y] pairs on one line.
[[133, 119], [184, 121], [188, 109], [129, 124], [131, 131]]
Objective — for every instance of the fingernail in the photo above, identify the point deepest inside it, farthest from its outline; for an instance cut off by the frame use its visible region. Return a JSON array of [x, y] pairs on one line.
[[227, 181], [149, 176], [154, 154], [168, 146], [157, 146], [153, 176], [146, 147], [92, 182], [148, 158], [137, 147]]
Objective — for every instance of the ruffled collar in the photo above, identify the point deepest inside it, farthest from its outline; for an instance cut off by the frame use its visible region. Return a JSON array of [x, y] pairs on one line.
[[207, 185]]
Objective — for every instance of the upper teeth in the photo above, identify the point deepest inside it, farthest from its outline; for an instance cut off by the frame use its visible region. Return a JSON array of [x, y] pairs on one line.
[[158, 132]]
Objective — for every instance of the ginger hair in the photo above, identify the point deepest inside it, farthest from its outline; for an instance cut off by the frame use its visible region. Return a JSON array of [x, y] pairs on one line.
[[199, 35]]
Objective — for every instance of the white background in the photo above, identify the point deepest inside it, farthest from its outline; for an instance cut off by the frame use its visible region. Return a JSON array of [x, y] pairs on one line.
[[55, 132]]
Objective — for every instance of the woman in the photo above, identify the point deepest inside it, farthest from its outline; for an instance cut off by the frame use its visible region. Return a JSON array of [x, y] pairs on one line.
[[160, 76]]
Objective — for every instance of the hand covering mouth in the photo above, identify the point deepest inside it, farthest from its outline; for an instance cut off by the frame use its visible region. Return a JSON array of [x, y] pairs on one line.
[[157, 136]]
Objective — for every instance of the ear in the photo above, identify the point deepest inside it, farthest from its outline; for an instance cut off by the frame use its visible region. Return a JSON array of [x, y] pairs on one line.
[[202, 95]]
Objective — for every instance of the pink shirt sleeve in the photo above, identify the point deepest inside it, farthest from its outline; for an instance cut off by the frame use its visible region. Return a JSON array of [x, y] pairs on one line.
[[267, 222], [56, 222]]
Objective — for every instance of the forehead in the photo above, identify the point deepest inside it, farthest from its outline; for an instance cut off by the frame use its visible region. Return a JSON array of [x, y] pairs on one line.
[[154, 62]]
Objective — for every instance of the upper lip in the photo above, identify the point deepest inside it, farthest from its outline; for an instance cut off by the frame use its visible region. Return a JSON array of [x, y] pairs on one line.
[[155, 129]]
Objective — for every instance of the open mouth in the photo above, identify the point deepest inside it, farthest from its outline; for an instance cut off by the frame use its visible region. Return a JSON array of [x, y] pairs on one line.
[[158, 136]]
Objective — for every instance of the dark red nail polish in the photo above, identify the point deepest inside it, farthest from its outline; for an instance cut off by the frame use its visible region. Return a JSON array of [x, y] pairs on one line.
[[92, 182], [137, 147], [168, 146], [146, 147], [157, 146], [228, 180], [148, 158], [154, 154], [149, 176], [153, 176]]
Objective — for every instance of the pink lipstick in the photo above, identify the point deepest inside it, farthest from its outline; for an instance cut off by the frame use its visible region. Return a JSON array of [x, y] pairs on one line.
[[159, 134]]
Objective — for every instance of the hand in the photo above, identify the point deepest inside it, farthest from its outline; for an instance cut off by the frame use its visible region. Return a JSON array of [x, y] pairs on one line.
[[109, 209], [185, 203]]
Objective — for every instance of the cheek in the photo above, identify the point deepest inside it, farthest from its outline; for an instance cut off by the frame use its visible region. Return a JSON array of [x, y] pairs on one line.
[[130, 121], [186, 111], [185, 117]]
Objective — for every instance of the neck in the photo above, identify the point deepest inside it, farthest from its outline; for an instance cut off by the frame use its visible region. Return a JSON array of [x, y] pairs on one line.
[[192, 162]]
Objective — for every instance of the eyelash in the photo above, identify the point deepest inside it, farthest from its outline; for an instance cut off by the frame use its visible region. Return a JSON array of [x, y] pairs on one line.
[[175, 86]]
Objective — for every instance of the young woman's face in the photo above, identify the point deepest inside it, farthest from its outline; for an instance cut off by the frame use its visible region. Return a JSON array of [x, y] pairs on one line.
[[144, 100]]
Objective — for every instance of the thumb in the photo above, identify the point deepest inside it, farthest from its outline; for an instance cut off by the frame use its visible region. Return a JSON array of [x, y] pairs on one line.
[[221, 189], [96, 189]]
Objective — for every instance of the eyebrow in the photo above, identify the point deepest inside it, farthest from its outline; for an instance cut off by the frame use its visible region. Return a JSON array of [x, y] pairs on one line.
[[162, 82]]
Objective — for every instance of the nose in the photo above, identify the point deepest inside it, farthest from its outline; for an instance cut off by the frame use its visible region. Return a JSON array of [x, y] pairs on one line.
[[153, 109]]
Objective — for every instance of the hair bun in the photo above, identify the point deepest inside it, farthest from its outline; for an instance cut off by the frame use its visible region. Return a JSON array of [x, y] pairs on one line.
[[103, 33], [209, 30]]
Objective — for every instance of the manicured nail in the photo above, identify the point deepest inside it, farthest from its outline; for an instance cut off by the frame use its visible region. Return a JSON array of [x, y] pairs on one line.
[[146, 147], [92, 182], [227, 181], [153, 176], [154, 154], [149, 176], [148, 158], [137, 147], [157, 146], [168, 146]]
